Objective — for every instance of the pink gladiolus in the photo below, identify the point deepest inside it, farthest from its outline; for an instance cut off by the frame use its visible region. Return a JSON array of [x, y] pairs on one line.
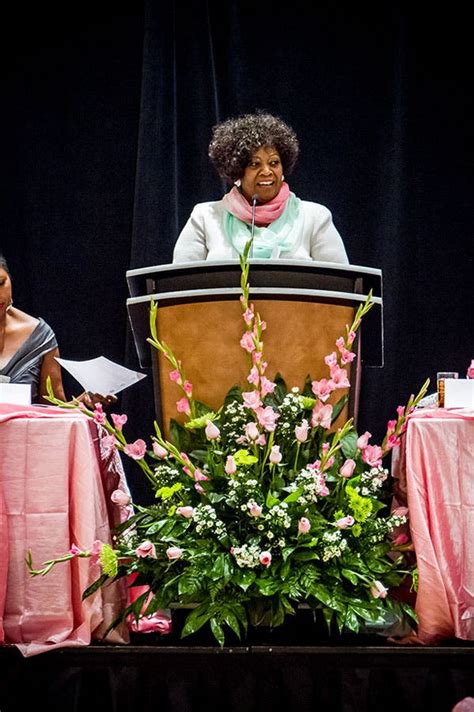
[[347, 356], [74, 550], [95, 551], [378, 590], [99, 415], [135, 450], [470, 370], [188, 388], [118, 420], [347, 469], [400, 540], [199, 488], [362, 440], [122, 499], [198, 475], [275, 455], [182, 406], [267, 418], [249, 315], [345, 522], [301, 431], [108, 443], [322, 389], [252, 399], [146, 548], [266, 386], [340, 343], [304, 525], [265, 558], [174, 552], [230, 466], [186, 512], [331, 359], [351, 337], [253, 376], [391, 425], [400, 411], [255, 510], [392, 441], [175, 376], [251, 431], [339, 377], [212, 431], [372, 455], [247, 342], [261, 440], [321, 415], [160, 451]]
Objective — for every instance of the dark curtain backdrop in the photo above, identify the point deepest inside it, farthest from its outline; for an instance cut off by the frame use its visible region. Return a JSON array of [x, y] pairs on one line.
[[106, 123]]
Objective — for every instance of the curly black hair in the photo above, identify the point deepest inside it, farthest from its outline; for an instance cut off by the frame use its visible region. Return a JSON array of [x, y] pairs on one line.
[[3, 264], [234, 142]]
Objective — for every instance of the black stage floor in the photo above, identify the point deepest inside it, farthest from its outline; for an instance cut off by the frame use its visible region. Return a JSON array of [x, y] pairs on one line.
[[351, 674]]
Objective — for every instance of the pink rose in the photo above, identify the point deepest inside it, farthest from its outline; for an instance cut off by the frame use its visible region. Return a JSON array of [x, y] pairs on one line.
[[301, 431], [275, 455], [265, 558], [252, 431], [174, 552], [345, 522], [378, 590], [122, 499], [135, 450], [304, 525], [186, 512], [118, 420], [212, 431], [146, 548], [254, 509], [160, 451], [230, 466], [347, 469]]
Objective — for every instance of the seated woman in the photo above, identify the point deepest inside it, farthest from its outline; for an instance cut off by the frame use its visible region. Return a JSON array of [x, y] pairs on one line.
[[28, 348], [27, 345], [253, 152]]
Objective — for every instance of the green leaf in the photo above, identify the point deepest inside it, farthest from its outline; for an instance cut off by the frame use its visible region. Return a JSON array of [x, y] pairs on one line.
[[217, 631], [271, 500], [305, 556], [232, 621], [350, 576], [349, 444], [196, 619], [267, 586], [294, 496], [95, 586], [338, 407], [217, 571], [245, 578]]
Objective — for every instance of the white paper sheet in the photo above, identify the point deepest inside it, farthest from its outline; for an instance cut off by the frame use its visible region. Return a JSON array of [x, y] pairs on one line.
[[16, 393], [100, 375]]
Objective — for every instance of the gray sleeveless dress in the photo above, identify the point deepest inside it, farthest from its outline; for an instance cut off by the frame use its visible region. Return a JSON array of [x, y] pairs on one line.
[[25, 365]]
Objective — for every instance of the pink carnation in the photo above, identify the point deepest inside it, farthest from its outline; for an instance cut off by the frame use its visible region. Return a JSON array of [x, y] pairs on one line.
[[145, 549], [174, 552], [304, 525]]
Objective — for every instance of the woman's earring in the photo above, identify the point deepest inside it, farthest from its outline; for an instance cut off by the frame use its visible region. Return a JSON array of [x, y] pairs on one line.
[[283, 177], [237, 183]]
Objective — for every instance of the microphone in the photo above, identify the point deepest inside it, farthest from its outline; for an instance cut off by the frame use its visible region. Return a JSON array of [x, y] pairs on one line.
[[252, 228]]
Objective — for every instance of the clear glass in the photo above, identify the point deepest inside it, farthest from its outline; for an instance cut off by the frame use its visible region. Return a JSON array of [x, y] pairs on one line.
[[441, 376]]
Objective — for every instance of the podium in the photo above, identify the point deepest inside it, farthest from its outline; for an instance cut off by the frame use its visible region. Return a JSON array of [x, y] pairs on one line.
[[306, 306]]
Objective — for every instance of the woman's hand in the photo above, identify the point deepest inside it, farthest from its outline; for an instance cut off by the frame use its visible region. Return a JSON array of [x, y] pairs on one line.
[[90, 399]]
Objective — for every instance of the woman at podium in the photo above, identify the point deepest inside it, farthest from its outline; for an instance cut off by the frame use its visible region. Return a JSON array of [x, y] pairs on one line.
[[254, 153]]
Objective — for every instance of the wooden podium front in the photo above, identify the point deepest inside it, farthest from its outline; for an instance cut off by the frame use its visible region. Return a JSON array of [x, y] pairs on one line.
[[306, 306]]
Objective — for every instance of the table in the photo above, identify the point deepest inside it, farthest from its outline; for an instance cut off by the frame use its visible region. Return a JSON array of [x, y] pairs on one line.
[[435, 467], [55, 486]]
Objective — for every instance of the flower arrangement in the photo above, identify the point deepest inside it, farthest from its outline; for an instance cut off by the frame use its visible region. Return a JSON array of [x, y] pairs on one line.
[[261, 506]]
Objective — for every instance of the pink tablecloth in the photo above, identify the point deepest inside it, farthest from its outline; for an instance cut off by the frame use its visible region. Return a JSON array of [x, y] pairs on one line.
[[438, 460], [55, 489]]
